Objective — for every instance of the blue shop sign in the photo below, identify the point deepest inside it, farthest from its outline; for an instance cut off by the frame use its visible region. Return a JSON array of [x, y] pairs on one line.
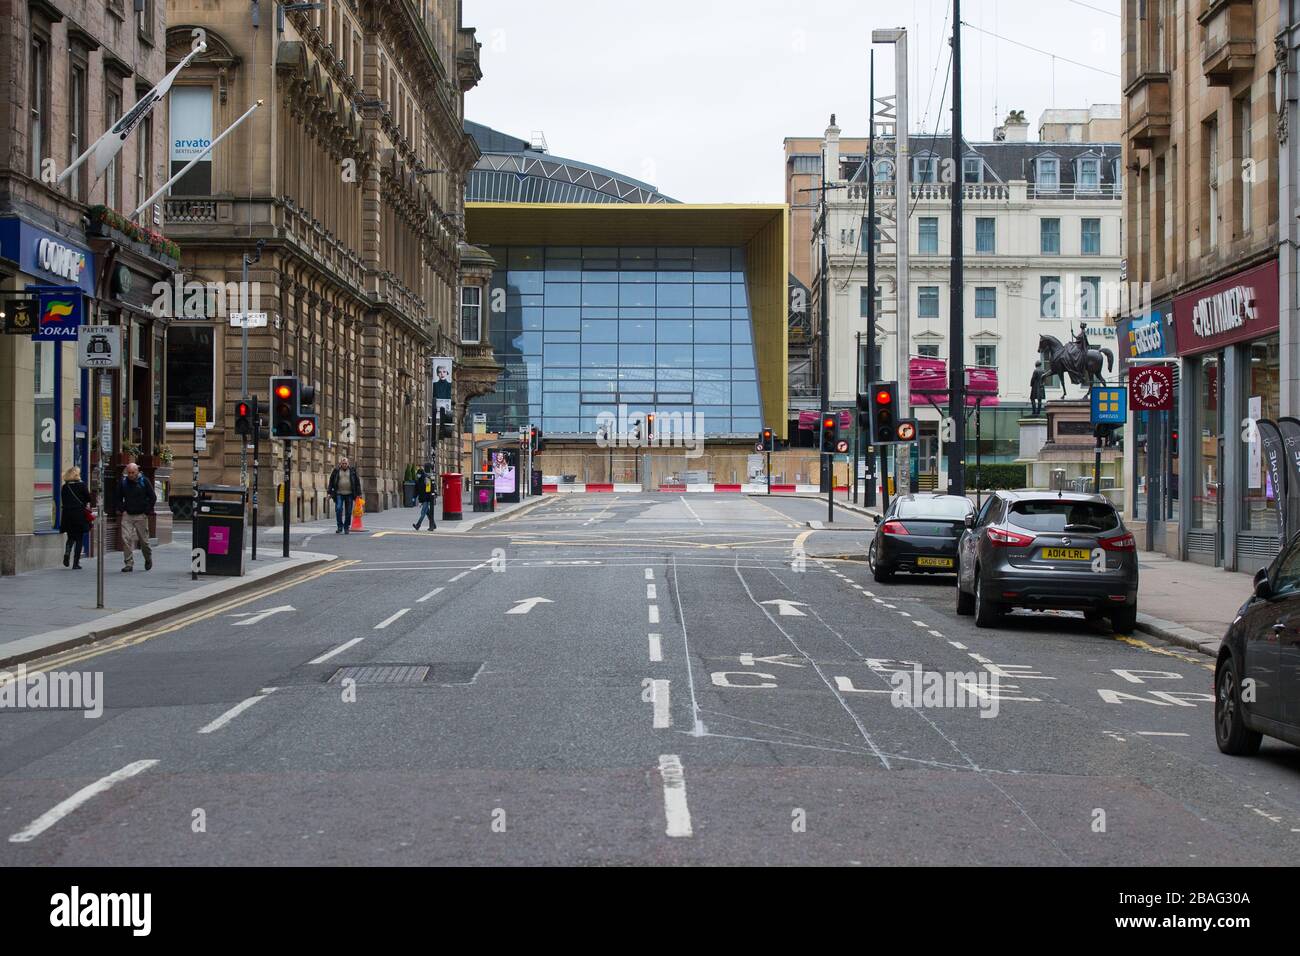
[[53, 258], [1149, 335], [60, 313]]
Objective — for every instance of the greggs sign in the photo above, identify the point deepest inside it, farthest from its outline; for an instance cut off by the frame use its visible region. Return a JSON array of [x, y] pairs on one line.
[[1236, 309]]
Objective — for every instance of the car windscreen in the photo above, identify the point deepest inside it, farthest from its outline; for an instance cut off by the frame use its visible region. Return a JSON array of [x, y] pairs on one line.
[[951, 509], [1054, 514]]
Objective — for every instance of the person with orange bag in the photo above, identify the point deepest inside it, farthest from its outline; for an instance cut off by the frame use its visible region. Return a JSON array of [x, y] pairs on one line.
[[344, 488]]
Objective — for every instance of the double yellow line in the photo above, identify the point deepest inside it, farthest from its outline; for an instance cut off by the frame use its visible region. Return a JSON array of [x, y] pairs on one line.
[[78, 654]]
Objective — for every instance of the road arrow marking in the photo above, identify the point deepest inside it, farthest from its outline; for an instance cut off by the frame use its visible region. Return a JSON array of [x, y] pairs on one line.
[[256, 617], [749, 660], [787, 608], [524, 605]]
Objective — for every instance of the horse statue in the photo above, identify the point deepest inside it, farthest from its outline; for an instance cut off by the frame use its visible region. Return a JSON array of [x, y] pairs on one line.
[[1083, 367]]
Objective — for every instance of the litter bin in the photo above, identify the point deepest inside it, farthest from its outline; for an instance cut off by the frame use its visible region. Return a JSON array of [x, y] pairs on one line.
[[485, 491], [219, 528], [451, 488], [536, 482]]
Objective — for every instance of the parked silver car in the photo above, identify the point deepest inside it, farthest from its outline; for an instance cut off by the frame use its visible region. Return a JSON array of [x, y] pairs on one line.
[[1040, 549]]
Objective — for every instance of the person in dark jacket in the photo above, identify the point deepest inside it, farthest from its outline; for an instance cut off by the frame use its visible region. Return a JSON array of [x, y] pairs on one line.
[[344, 488], [136, 498], [74, 499], [426, 493]]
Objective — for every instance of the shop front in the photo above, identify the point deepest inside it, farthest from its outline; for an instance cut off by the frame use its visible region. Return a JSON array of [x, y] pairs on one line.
[[42, 424], [1227, 339], [1153, 485]]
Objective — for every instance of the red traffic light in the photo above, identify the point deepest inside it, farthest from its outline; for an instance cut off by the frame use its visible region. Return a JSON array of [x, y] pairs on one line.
[[883, 396], [283, 391], [828, 423], [242, 409]]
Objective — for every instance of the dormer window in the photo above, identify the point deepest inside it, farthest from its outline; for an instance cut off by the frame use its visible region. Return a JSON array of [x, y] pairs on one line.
[[1047, 174], [884, 171], [972, 170], [925, 169], [1088, 175]]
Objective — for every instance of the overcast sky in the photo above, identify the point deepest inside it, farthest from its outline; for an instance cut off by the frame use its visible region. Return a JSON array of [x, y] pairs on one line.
[[696, 96]]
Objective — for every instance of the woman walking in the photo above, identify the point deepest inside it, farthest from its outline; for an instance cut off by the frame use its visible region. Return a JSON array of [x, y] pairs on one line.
[[74, 520]]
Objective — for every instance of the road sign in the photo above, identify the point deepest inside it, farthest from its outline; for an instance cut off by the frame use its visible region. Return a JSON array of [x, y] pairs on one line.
[[1109, 405], [99, 346], [248, 320], [758, 446], [106, 437], [200, 438], [200, 416]]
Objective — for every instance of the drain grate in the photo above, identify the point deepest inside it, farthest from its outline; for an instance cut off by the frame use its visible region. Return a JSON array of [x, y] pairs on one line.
[[441, 673]]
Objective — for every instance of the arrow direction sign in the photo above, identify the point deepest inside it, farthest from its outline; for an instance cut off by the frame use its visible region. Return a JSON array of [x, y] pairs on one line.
[[256, 617], [524, 605], [788, 608]]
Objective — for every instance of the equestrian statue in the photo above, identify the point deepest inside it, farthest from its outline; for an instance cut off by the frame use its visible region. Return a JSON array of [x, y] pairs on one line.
[[1076, 359]]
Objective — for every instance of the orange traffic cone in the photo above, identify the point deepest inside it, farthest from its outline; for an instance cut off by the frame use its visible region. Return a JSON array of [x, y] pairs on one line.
[[358, 507]]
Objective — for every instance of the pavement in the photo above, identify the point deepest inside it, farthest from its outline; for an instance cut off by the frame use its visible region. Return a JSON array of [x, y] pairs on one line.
[[631, 679]]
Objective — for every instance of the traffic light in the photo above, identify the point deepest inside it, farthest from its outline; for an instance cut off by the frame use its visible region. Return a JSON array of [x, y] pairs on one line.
[[284, 405], [768, 440], [243, 418], [864, 413], [1173, 443], [884, 415], [305, 420], [446, 427], [650, 427], [830, 432]]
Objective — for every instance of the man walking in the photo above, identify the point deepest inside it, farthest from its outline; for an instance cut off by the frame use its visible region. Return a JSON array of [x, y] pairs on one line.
[[137, 498], [426, 493], [344, 488]]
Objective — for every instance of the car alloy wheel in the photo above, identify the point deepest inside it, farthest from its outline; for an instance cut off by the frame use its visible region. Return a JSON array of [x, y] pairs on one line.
[[1230, 730], [986, 612]]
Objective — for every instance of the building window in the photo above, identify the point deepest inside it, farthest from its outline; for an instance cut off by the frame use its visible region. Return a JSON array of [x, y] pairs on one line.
[[927, 302], [112, 175], [1047, 177], [189, 372], [38, 94], [76, 128], [1116, 176], [1245, 161], [144, 18], [925, 169], [1089, 296], [1089, 180], [1049, 297], [191, 132], [972, 170], [864, 300], [866, 371], [986, 356], [1211, 220], [1090, 237], [865, 234], [985, 235], [986, 302], [471, 315], [143, 164], [929, 236], [884, 171], [1049, 232], [928, 350]]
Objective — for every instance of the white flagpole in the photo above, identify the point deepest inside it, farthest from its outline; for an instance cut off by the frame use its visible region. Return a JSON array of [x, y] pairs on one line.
[[211, 146], [122, 128]]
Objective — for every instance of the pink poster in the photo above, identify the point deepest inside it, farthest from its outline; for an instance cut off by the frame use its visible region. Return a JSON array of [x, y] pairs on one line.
[[218, 540]]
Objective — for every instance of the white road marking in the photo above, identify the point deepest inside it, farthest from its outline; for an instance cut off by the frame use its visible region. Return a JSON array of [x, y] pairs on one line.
[[892, 607], [786, 607], [957, 644], [677, 814], [524, 605], [1160, 733], [429, 595], [697, 726], [936, 634], [650, 592], [389, 620], [663, 716], [654, 613], [65, 807], [328, 654], [232, 713], [919, 623], [256, 617], [656, 648], [691, 510], [649, 574], [458, 577], [903, 613]]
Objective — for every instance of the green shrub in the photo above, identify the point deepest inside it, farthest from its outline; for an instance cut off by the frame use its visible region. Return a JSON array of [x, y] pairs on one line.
[[996, 476]]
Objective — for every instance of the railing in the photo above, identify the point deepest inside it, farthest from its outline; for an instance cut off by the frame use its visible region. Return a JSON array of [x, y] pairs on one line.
[[189, 210], [1074, 191]]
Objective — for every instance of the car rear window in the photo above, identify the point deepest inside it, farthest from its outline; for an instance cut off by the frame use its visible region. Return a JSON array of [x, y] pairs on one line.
[[1060, 515], [940, 508]]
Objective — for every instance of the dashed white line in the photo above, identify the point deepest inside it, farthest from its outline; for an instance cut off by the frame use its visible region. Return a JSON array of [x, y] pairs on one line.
[[663, 717], [677, 815], [957, 644], [338, 650], [654, 613], [691, 510], [65, 807], [919, 623], [656, 648], [389, 620], [429, 595], [936, 634], [649, 574], [457, 577], [650, 592], [1160, 733], [232, 713]]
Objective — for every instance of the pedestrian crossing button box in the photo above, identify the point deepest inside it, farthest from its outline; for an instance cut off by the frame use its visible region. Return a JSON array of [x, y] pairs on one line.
[[219, 528]]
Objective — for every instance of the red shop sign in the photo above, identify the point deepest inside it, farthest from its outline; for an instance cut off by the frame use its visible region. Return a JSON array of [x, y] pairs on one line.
[[1236, 309], [1151, 388]]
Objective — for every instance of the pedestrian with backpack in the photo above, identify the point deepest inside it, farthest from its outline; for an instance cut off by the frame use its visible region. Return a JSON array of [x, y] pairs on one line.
[[426, 493]]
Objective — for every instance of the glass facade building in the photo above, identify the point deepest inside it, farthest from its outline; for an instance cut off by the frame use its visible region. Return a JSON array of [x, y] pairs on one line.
[[583, 330]]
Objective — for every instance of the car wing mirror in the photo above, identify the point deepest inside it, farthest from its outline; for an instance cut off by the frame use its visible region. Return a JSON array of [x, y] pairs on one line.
[[1263, 587], [970, 521], [875, 516]]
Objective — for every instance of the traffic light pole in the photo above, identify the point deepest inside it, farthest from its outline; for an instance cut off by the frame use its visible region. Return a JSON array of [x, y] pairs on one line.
[[288, 458], [868, 483], [956, 288], [257, 446], [769, 471]]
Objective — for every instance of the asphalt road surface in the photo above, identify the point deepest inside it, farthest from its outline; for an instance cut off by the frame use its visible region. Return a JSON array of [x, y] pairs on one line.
[[612, 679]]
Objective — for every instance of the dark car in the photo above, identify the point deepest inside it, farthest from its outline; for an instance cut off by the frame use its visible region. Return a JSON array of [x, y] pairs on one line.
[[1048, 550], [918, 533], [1257, 677]]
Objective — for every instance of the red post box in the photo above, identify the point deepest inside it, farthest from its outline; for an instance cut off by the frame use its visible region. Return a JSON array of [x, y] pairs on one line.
[[451, 487]]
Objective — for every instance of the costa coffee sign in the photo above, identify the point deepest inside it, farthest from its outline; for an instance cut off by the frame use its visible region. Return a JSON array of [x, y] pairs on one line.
[[1236, 309]]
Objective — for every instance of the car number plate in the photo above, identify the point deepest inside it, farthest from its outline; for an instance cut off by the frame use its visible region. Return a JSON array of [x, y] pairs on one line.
[[934, 562], [1067, 554]]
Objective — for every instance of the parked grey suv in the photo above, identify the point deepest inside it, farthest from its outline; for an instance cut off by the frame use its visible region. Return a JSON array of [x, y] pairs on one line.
[[1039, 549]]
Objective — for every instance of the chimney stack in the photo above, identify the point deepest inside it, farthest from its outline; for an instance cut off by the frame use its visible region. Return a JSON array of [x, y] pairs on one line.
[[832, 166], [1014, 129]]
